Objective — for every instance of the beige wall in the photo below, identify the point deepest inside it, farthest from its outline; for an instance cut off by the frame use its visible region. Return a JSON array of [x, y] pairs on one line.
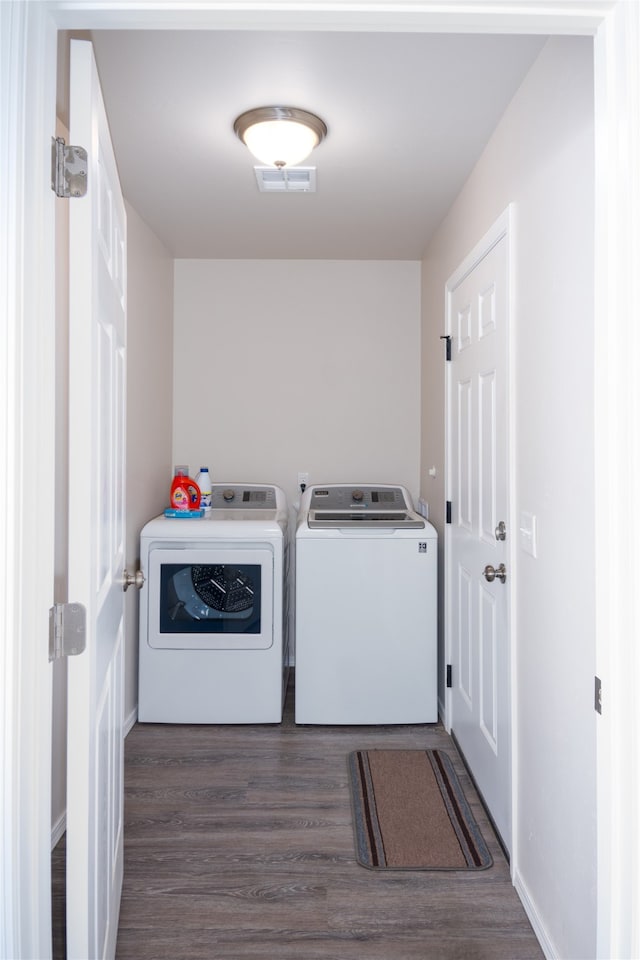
[[149, 408], [541, 158], [288, 366]]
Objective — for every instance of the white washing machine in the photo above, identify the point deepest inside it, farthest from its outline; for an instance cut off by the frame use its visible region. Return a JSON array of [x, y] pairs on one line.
[[366, 608], [213, 611]]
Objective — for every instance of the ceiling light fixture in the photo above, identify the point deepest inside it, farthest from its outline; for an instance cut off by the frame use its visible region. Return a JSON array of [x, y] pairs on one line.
[[280, 136]]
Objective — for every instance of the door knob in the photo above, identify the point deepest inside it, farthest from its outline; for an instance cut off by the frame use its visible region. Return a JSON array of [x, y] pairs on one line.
[[132, 580], [501, 531], [493, 573]]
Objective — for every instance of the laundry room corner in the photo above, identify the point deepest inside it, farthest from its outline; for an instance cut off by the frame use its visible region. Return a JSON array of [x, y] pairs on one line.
[[149, 410]]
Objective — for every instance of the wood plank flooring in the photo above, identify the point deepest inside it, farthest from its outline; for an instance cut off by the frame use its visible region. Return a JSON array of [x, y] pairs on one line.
[[239, 844]]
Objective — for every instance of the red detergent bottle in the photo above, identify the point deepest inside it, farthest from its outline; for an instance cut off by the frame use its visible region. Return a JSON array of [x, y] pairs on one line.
[[185, 493]]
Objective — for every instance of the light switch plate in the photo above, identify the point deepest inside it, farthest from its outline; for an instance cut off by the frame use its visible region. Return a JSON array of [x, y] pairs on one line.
[[529, 533]]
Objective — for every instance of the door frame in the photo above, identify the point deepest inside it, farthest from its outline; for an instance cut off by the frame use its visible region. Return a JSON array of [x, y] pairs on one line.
[[28, 47], [27, 449], [503, 228]]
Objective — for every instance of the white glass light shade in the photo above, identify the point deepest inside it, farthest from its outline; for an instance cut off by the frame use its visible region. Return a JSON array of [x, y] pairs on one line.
[[280, 142], [280, 136]]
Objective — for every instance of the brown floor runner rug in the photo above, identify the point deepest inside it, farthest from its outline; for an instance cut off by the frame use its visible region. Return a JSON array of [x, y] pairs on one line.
[[410, 813]]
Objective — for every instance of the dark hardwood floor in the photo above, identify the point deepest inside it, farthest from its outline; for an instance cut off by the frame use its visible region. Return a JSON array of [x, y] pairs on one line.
[[238, 844]]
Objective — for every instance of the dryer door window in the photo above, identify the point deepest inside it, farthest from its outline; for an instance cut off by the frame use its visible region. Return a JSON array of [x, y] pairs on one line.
[[214, 598], [210, 598]]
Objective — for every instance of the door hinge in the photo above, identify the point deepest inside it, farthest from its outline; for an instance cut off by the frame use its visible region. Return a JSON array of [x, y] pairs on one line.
[[68, 169], [448, 512], [67, 630], [448, 350], [449, 676], [598, 695]]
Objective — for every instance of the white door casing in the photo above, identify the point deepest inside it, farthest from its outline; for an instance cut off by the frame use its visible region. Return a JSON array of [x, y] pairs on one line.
[[28, 213], [27, 449], [97, 338], [477, 621]]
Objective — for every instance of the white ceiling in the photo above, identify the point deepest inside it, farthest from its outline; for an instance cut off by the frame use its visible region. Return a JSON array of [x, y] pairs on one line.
[[408, 115]]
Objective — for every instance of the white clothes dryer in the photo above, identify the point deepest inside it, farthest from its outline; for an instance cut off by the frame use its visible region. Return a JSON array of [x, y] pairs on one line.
[[213, 611], [366, 608]]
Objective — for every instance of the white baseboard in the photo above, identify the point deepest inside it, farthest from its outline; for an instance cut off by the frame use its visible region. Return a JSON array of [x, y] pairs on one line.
[[130, 720], [58, 829], [538, 927]]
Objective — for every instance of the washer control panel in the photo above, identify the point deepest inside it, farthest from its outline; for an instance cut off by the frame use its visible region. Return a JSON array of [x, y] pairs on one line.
[[358, 497], [341, 506]]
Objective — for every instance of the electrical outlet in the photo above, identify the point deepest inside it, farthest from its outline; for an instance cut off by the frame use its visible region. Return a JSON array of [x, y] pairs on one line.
[[303, 480]]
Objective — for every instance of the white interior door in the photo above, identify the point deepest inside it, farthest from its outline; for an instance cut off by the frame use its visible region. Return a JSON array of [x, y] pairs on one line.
[[96, 527], [478, 600]]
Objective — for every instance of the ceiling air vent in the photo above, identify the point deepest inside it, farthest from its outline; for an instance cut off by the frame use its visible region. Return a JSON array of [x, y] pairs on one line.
[[286, 180]]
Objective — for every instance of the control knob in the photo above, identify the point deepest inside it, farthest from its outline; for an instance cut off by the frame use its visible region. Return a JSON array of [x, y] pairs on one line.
[[228, 495], [358, 496]]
